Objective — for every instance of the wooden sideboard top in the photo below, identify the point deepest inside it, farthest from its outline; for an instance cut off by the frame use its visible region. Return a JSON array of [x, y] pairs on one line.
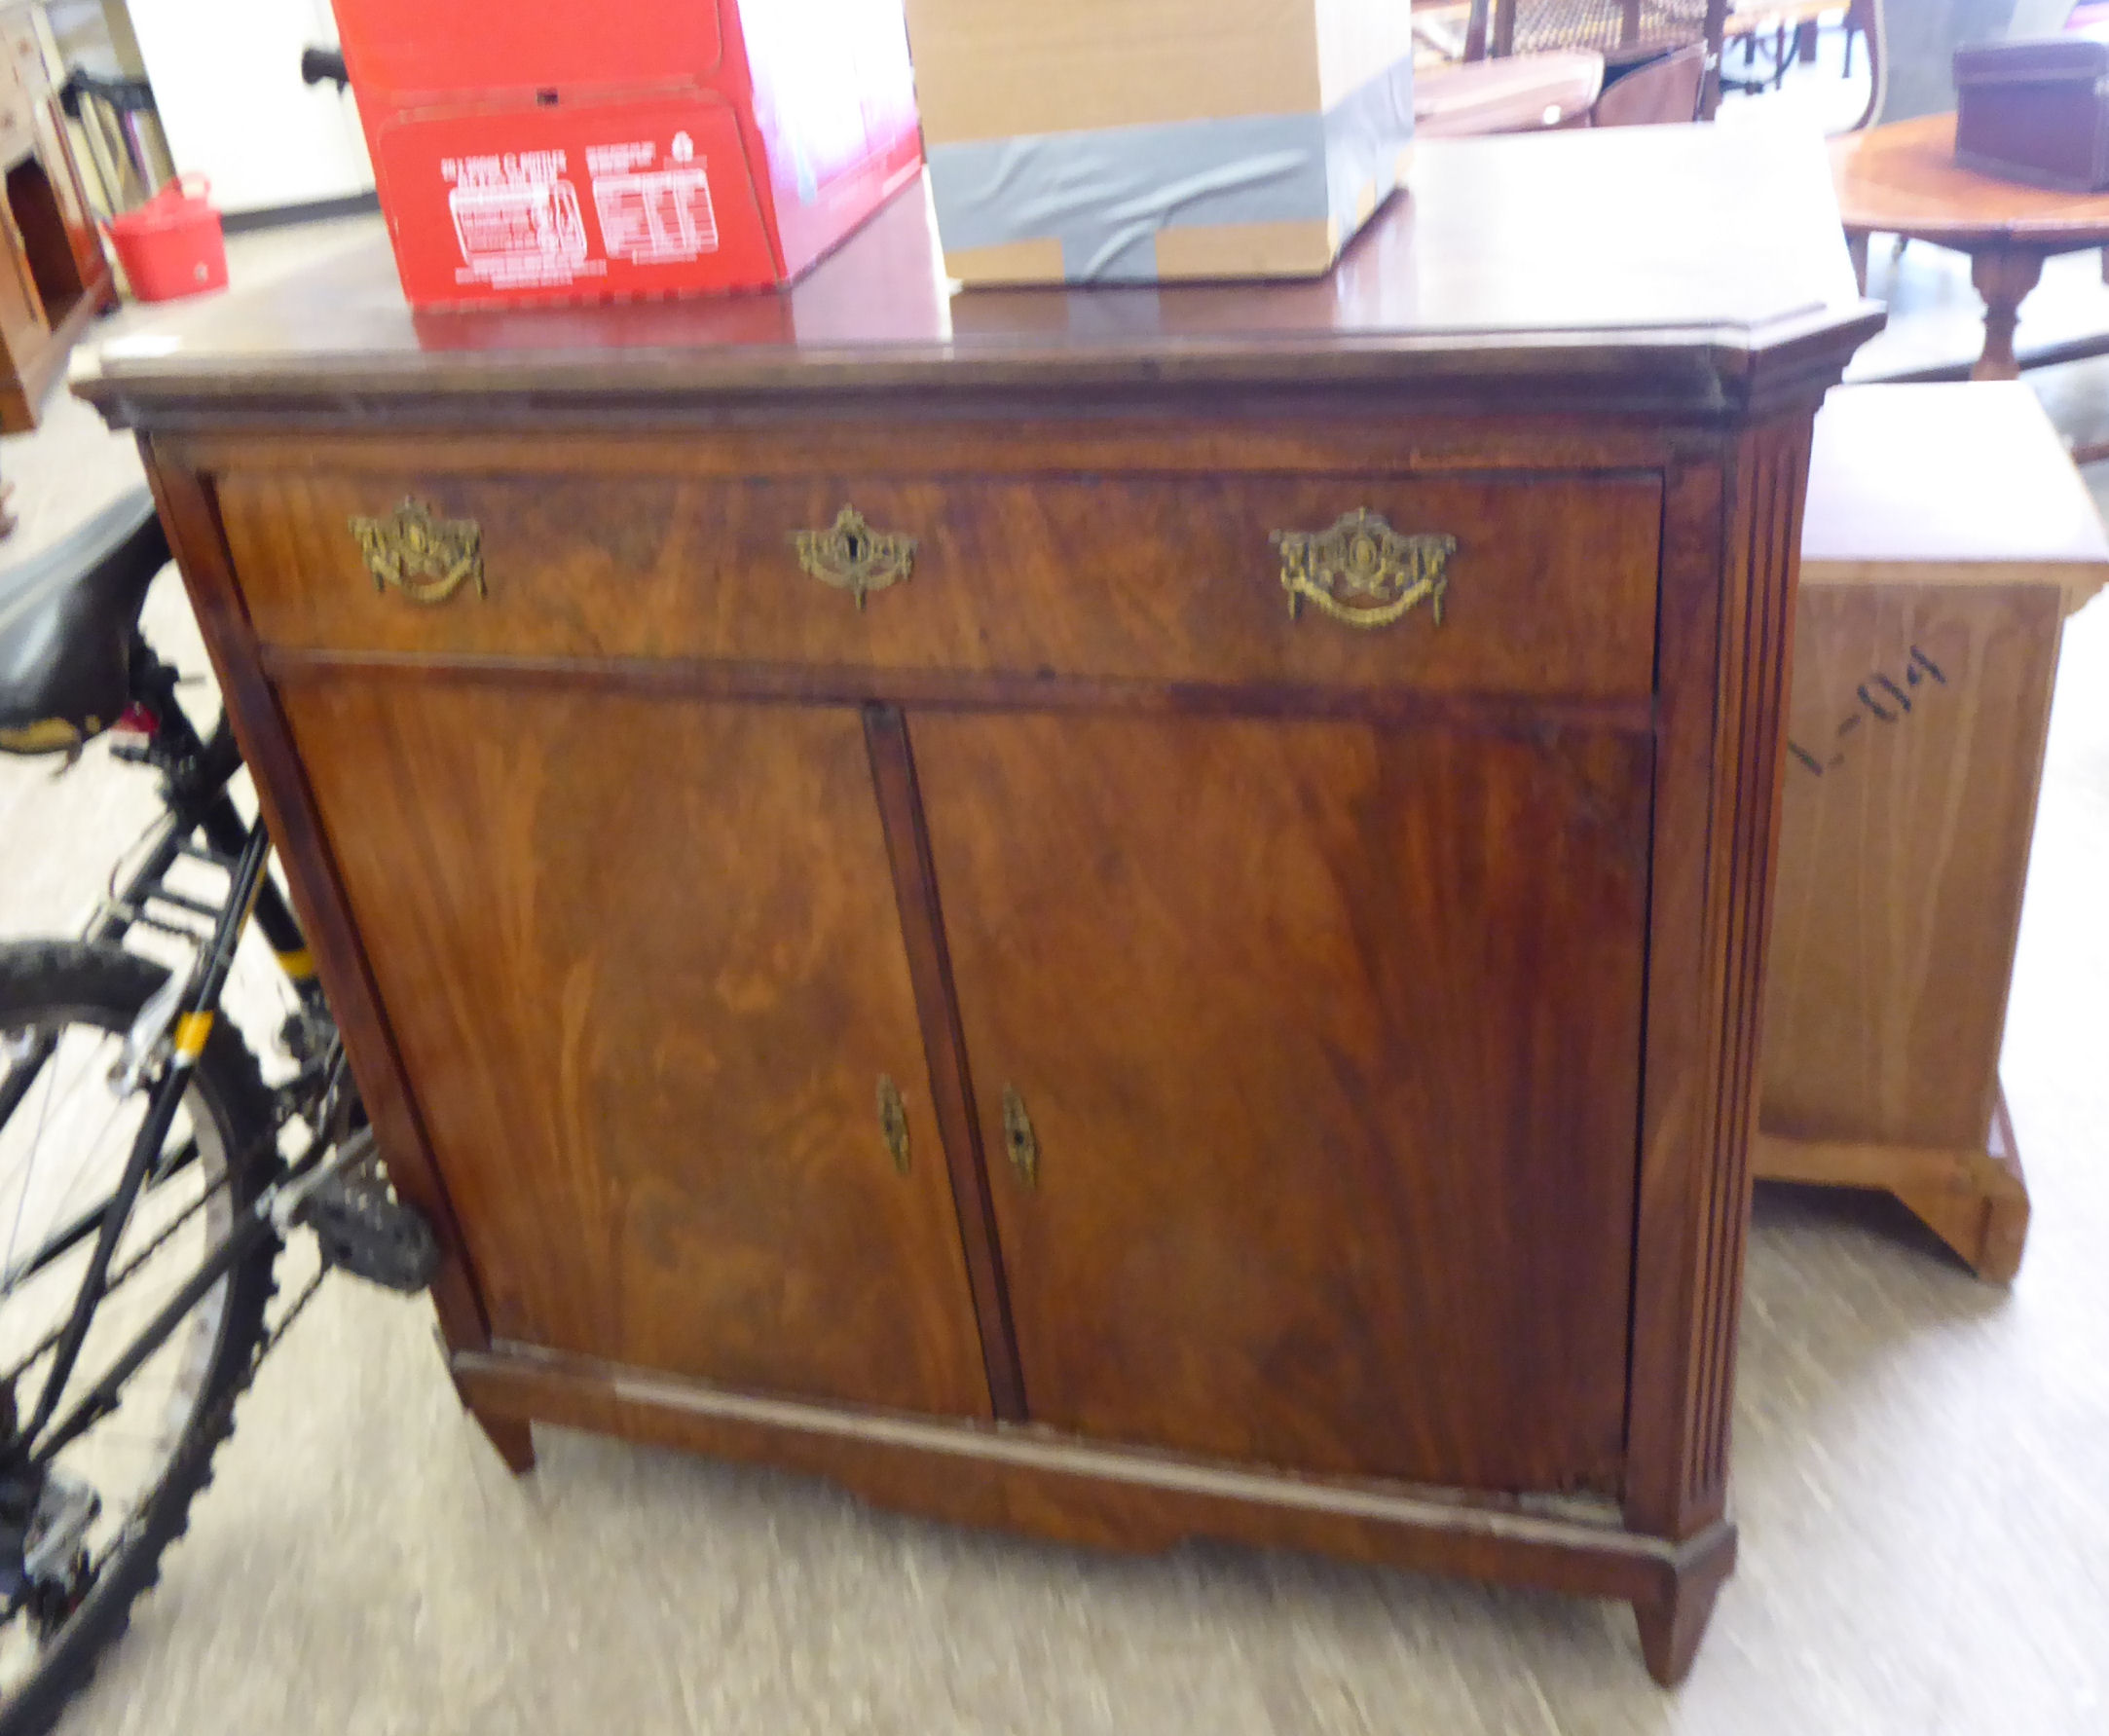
[[1686, 271]]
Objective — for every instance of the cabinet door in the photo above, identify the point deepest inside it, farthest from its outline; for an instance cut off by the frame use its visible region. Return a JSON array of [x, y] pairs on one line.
[[644, 967], [1328, 1036]]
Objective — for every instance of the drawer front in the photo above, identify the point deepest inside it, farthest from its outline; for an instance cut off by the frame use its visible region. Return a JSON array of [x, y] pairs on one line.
[[1520, 584]]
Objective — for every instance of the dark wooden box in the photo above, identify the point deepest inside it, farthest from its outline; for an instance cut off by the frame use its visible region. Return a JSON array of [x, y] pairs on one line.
[[2035, 111]]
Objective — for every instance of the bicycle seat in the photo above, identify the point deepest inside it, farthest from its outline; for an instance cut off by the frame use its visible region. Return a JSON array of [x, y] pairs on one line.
[[69, 618]]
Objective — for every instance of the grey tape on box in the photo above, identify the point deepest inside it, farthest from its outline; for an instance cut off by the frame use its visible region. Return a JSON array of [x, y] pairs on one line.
[[1105, 193], [1365, 132]]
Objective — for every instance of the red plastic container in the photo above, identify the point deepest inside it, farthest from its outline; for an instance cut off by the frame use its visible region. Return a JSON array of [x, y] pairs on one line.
[[171, 245], [548, 150]]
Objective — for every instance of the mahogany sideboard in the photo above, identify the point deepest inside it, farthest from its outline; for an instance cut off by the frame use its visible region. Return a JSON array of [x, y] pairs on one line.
[[1120, 913]]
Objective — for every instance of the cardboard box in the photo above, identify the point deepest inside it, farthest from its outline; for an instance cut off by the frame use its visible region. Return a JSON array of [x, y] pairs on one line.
[[542, 150], [1118, 141]]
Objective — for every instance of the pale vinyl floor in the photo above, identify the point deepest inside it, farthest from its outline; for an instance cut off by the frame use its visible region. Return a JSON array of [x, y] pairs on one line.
[[1921, 1463]]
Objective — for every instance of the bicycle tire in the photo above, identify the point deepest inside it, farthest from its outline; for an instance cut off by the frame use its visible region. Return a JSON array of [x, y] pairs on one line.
[[110, 985]]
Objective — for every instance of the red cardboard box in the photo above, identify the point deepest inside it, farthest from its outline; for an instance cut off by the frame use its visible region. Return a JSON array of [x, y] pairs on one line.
[[546, 150]]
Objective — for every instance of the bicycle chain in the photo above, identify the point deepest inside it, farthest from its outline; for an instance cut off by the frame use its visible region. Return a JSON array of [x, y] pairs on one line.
[[268, 1343], [203, 1434], [122, 1273]]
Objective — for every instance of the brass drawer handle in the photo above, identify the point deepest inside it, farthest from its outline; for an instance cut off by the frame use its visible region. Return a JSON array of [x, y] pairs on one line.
[[1363, 572], [425, 556], [892, 1123], [1018, 1138], [853, 557]]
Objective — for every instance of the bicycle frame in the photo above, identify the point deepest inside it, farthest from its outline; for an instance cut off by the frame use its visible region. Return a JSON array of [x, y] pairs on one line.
[[195, 774], [195, 777], [189, 1020]]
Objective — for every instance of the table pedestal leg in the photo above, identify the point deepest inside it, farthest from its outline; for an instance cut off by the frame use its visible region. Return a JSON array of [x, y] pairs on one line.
[[2002, 278], [1856, 247]]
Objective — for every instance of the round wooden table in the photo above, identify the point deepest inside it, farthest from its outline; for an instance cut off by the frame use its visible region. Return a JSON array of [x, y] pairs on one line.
[[1903, 180]]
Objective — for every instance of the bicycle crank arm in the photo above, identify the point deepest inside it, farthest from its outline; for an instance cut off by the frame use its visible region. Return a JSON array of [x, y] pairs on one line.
[[361, 1226]]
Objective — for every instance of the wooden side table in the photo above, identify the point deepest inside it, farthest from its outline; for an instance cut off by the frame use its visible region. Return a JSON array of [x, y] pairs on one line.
[[1948, 537], [1903, 180]]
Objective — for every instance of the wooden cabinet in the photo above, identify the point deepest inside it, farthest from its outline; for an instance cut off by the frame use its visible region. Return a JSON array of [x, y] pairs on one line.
[[1948, 536], [1125, 914], [54, 279]]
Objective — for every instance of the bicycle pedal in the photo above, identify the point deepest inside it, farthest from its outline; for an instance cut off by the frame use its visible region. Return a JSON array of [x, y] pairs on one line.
[[366, 1231]]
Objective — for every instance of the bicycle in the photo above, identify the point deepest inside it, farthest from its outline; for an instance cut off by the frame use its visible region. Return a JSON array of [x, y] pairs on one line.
[[149, 1178]]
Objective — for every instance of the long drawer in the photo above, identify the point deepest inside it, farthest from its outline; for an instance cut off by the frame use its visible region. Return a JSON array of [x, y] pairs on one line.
[[1541, 584]]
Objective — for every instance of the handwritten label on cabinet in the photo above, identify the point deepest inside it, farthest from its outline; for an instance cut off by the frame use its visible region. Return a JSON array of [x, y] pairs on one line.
[[1884, 700]]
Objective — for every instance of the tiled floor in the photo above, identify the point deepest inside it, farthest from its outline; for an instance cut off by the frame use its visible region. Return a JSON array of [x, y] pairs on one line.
[[1922, 1465]]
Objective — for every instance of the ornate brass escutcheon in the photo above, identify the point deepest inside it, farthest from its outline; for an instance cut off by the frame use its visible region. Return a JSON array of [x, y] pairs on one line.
[[425, 556], [892, 1123], [1363, 572], [853, 557], [1019, 1139]]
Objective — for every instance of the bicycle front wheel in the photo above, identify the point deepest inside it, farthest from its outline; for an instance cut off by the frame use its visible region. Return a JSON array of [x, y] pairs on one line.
[[120, 1494]]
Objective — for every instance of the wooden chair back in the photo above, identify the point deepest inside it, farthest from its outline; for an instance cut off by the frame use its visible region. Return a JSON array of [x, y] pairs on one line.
[[1663, 90], [1623, 31]]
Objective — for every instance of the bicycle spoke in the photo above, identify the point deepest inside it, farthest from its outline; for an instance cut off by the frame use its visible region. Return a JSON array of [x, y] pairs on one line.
[[36, 1142], [80, 1172], [139, 1356], [120, 1275], [174, 1162]]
